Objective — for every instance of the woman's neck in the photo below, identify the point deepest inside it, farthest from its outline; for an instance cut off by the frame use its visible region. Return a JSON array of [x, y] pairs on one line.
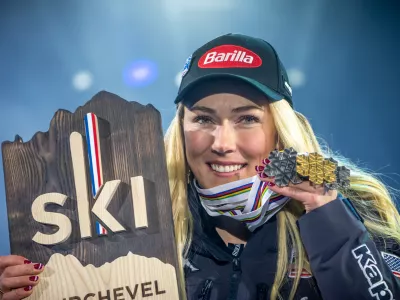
[[231, 231], [229, 238]]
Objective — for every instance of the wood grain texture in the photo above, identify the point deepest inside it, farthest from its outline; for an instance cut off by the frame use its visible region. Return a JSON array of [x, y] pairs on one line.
[[132, 145], [116, 280]]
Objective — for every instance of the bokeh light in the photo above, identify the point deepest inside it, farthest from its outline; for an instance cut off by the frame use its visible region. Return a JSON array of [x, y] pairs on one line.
[[296, 77], [140, 73], [178, 79], [82, 80]]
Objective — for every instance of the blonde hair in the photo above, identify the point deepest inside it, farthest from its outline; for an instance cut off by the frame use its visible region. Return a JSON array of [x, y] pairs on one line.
[[367, 193]]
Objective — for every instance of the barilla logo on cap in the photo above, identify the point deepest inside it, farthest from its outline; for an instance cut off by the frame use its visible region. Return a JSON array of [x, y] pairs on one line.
[[229, 56]]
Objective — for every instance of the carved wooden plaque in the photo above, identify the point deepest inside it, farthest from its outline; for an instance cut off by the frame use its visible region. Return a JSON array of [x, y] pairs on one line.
[[90, 200]]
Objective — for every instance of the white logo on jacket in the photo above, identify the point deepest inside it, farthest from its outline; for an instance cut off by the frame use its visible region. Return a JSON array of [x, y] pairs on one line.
[[190, 265], [367, 263], [236, 250]]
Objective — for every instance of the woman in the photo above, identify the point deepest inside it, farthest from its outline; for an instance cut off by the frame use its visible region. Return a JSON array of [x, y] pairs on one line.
[[244, 235], [234, 108]]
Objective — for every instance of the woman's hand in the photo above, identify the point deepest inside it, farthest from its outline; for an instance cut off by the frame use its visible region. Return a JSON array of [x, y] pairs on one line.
[[18, 276], [310, 196]]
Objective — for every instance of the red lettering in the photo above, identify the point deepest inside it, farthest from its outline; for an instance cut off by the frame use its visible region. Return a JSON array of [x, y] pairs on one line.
[[229, 56]]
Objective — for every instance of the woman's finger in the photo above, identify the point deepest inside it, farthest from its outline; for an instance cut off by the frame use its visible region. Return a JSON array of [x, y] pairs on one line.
[[305, 185], [18, 294], [294, 193], [12, 260], [310, 201], [22, 270], [9, 284], [19, 276], [309, 187], [262, 175]]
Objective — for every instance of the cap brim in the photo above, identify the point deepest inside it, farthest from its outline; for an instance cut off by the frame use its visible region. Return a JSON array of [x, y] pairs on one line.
[[271, 94]]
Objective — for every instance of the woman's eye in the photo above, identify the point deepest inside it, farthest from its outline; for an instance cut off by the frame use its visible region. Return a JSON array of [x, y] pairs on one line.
[[249, 119], [203, 120]]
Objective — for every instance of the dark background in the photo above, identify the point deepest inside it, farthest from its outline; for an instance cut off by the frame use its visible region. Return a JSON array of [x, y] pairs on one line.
[[342, 58]]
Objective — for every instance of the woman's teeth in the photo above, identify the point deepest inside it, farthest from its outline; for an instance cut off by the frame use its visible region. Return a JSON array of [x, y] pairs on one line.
[[225, 169]]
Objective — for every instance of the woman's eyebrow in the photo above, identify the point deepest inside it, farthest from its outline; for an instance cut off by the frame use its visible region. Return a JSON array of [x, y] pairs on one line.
[[234, 110], [203, 109], [247, 108]]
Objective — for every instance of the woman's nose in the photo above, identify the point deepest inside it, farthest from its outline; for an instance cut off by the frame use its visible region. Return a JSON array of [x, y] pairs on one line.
[[224, 139]]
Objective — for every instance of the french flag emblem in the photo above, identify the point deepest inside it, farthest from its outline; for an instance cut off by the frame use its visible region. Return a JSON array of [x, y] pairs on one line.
[[94, 155]]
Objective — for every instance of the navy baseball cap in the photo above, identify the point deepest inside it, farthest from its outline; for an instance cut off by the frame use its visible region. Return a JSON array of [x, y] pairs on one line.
[[250, 59]]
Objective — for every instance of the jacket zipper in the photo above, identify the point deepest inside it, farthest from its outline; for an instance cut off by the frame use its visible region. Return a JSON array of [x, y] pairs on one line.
[[205, 292], [235, 279]]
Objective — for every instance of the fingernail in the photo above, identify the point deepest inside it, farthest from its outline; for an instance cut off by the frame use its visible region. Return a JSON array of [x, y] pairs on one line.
[[263, 175], [271, 184], [28, 288], [27, 262], [38, 266], [266, 161], [34, 278], [259, 168]]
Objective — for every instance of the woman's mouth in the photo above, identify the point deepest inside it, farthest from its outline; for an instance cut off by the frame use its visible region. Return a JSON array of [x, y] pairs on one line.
[[224, 169]]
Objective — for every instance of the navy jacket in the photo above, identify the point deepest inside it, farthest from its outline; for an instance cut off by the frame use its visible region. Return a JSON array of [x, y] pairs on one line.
[[346, 263]]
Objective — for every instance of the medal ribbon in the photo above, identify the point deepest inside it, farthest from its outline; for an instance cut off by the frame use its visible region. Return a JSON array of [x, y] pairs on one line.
[[247, 200]]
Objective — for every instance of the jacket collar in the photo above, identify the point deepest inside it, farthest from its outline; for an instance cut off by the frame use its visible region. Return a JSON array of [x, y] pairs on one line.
[[207, 242]]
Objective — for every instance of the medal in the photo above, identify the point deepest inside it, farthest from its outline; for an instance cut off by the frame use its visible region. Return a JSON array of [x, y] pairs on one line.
[[288, 166]]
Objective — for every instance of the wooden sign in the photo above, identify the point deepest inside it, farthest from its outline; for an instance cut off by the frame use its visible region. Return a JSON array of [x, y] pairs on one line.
[[90, 200]]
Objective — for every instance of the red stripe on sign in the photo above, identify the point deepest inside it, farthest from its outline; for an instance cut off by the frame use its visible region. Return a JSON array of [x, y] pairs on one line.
[[96, 149]]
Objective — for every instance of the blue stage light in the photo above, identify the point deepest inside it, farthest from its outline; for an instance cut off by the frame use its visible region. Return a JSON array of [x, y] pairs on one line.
[[140, 73]]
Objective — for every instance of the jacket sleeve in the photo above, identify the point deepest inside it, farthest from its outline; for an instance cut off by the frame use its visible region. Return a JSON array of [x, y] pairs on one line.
[[345, 261]]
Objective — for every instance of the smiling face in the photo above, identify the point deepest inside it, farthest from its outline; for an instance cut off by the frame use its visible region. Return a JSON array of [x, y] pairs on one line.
[[228, 131]]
